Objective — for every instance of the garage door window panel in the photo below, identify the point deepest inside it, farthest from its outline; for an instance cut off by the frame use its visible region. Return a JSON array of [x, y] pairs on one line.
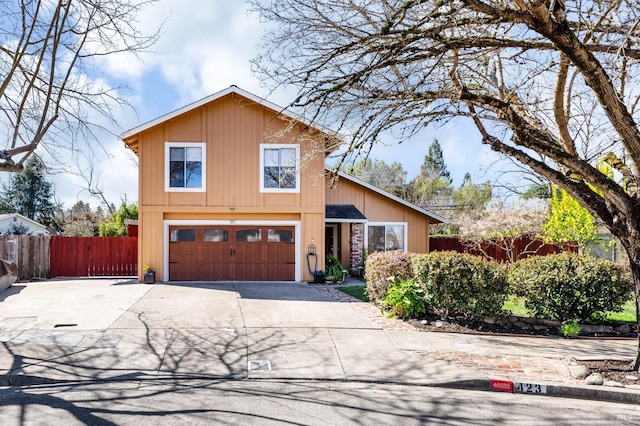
[[280, 236], [216, 235], [249, 236], [178, 235]]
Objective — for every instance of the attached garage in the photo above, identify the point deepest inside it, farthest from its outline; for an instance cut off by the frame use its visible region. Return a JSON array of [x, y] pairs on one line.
[[226, 252]]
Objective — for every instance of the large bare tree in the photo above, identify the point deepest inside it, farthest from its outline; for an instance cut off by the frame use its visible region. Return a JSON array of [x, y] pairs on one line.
[[51, 91], [550, 83]]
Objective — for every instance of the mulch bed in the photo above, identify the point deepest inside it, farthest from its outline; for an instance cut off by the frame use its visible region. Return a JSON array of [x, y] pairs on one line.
[[465, 325], [614, 370]]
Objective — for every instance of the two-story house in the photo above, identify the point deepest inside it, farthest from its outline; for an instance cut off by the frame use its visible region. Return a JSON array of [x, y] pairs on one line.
[[233, 188]]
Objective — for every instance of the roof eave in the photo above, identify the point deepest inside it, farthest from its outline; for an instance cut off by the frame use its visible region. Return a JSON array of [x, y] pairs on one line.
[[435, 218], [129, 134]]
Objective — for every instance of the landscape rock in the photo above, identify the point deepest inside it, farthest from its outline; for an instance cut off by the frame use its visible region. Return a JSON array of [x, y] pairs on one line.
[[424, 322], [512, 319], [540, 327], [489, 320], [623, 329], [631, 377], [570, 360], [594, 379], [596, 328], [579, 371], [549, 323], [522, 325], [613, 384], [438, 324]]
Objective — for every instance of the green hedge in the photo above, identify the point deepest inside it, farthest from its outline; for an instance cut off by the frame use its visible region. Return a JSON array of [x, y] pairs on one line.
[[380, 266], [461, 284], [570, 287]]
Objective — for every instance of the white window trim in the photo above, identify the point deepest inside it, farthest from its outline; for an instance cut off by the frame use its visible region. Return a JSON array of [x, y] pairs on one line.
[[264, 146], [167, 147], [406, 232]]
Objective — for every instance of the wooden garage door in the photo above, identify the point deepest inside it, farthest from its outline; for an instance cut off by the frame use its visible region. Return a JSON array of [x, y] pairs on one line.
[[242, 253]]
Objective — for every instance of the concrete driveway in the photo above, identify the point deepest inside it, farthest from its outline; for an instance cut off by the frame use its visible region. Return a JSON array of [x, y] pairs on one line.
[[106, 329], [120, 329]]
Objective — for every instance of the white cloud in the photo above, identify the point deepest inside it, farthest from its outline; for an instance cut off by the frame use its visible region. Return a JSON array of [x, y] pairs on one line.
[[203, 48], [207, 47]]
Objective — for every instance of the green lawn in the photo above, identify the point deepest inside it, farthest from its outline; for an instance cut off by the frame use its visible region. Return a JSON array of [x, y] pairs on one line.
[[516, 305], [627, 315], [357, 291]]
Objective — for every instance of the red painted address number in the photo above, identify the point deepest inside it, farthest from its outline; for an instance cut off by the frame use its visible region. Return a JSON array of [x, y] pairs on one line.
[[498, 385]]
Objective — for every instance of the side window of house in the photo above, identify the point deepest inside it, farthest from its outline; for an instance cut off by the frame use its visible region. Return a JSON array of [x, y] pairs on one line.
[[185, 166], [386, 237], [279, 164]]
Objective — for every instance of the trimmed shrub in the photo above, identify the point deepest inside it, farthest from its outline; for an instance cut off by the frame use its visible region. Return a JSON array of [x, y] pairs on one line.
[[405, 298], [570, 287], [380, 266], [461, 284]]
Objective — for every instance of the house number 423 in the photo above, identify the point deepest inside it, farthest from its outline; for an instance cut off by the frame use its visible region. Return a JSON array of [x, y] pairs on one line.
[[530, 388]]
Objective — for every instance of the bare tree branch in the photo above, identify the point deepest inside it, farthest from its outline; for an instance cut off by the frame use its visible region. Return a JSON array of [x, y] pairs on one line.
[[49, 82], [550, 83]]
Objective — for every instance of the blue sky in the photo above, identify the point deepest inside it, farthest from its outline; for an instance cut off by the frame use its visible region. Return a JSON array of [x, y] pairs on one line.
[[203, 52]]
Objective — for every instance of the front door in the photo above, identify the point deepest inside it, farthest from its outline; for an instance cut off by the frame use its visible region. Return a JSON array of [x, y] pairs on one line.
[[331, 239]]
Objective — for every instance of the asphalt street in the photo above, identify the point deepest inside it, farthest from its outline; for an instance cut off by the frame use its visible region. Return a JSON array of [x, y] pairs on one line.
[[250, 402]]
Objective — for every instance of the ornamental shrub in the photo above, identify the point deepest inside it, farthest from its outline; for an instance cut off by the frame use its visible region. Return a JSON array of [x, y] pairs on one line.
[[405, 298], [570, 287], [461, 284], [380, 266]]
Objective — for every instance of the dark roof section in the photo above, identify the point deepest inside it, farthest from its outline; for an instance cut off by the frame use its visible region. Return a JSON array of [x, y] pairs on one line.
[[343, 213]]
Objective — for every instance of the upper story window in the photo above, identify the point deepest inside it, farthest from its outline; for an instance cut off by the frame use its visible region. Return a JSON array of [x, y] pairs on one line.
[[185, 166], [279, 164]]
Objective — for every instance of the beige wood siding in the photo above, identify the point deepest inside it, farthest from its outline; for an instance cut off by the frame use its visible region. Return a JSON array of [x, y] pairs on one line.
[[378, 208], [150, 238], [233, 128], [312, 231]]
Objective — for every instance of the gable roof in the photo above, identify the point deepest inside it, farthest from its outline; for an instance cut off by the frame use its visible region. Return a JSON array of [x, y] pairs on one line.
[[434, 217], [131, 141], [31, 222]]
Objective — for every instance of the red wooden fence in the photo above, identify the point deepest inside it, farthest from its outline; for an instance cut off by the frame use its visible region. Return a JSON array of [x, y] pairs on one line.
[[522, 247], [93, 256]]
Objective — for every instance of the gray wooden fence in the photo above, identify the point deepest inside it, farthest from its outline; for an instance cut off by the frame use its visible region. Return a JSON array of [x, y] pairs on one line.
[[29, 252]]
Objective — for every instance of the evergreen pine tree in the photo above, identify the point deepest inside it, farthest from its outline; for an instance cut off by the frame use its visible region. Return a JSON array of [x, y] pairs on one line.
[[30, 194]]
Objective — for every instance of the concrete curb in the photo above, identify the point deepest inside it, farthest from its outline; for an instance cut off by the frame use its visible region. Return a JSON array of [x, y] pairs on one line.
[[625, 396], [596, 393]]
